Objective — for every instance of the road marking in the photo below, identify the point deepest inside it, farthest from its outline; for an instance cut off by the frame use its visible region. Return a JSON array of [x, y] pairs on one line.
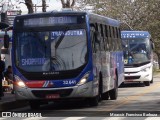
[[114, 118], [3, 118], [152, 118], [74, 118], [129, 99], [35, 118]]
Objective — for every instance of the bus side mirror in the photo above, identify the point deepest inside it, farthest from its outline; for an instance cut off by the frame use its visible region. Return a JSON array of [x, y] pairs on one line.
[[153, 46], [6, 41]]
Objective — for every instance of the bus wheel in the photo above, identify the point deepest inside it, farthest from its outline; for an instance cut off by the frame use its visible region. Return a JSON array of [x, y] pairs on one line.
[[34, 105], [94, 101], [100, 89], [151, 80], [147, 83], [105, 96], [114, 92]]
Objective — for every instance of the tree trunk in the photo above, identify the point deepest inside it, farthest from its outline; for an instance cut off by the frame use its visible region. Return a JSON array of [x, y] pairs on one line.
[[158, 60], [29, 5], [68, 3], [44, 5]]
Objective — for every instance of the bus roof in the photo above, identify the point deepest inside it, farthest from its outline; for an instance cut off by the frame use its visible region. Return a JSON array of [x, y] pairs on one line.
[[135, 34], [104, 20], [93, 17]]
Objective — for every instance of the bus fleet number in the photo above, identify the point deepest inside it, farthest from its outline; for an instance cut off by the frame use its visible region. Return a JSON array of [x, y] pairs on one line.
[[69, 82]]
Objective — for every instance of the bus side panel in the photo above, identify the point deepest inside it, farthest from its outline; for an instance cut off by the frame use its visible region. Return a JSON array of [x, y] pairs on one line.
[[96, 71], [105, 69], [120, 67], [117, 67]]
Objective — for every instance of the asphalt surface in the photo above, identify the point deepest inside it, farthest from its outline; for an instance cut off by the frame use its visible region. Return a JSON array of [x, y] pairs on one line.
[[9, 102]]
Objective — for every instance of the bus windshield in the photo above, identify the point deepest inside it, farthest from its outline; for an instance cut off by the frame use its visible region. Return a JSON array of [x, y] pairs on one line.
[[136, 50], [51, 50]]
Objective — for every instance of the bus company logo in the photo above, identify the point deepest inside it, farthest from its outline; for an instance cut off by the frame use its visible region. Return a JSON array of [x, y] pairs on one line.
[[51, 84], [50, 73], [48, 84], [6, 114]]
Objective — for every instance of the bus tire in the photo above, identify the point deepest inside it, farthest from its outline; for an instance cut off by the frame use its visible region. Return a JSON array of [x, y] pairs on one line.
[[113, 94], [94, 101], [151, 80], [147, 83], [100, 88], [34, 105], [105, 96]]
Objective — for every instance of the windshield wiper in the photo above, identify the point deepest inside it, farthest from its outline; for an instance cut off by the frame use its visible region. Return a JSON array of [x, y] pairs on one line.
[[61, 38]]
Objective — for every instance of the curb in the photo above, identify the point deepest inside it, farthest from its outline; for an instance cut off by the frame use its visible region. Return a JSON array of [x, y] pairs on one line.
[[12, 105]]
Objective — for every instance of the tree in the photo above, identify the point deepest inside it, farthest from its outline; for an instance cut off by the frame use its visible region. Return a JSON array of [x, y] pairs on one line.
[[29, 5], [139, 14], [44, 6], [68, 3]]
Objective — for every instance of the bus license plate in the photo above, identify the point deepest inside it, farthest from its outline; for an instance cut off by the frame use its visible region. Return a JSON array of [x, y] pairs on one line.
[[52, 96], [129, 81]]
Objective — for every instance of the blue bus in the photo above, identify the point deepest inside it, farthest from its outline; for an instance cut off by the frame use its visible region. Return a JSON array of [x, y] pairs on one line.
[[66, 55], [138, 56]]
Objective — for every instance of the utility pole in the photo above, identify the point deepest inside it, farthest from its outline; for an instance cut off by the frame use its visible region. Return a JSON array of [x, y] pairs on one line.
[[37, 6]]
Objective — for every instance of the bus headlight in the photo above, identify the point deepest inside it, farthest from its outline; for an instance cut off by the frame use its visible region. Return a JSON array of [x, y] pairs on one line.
[[145, 69], [19, 82], [84, 79]]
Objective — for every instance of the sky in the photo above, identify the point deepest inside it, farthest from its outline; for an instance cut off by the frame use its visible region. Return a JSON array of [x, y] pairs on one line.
[[53, 5]]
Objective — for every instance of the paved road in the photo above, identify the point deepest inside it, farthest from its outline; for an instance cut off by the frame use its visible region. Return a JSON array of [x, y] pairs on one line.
[[134, 100]]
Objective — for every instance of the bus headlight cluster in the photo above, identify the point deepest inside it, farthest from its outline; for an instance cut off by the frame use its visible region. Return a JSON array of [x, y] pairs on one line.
[[19, 82], [83, 79], [145, 69]]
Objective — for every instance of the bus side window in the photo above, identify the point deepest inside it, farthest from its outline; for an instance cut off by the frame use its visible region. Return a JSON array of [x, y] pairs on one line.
[[92, 36], [110, 39], [114, 43], [102, 38], [119, 39], [98, 38], [116, 39], [106, 38]]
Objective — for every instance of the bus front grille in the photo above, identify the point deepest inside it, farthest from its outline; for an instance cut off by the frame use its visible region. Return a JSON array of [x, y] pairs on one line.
[[131, 72], [43, 93], [131, 77]]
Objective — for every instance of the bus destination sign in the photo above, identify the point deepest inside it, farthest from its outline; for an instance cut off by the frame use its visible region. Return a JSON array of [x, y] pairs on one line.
[[49, 21]]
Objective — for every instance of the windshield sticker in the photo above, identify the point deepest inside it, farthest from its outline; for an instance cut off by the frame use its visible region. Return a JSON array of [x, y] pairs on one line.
[[67, 33], [33, 61]]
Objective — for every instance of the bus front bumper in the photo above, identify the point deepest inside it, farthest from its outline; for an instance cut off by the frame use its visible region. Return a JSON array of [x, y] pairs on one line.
[[138, 77], [82, 91]]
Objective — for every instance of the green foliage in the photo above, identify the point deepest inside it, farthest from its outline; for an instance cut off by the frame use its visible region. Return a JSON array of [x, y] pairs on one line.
[[139, 14]]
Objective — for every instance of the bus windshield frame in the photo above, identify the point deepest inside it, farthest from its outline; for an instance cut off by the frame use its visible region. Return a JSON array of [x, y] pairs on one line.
[[60, 34], [136, 50]]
